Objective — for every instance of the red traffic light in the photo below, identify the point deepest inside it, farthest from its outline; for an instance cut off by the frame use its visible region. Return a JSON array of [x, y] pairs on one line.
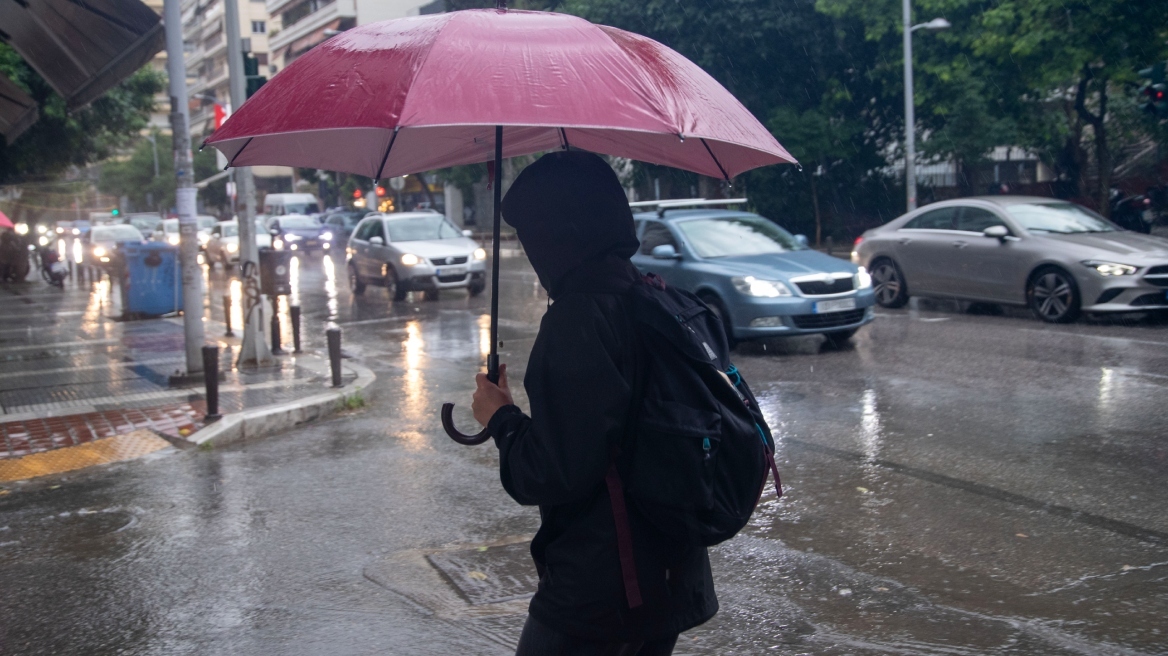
[[380, 191], [357, 193]]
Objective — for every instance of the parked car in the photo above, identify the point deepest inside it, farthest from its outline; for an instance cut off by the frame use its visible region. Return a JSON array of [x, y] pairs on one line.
[[342, 223], [99, 246], [146, 222], [299, 232], [760, 279], [414, 251], [1056, 257], [223, 245]]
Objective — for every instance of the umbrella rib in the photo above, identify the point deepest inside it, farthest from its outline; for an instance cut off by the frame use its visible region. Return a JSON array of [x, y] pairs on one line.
[[716, 160], [564, 138], [237, 154], [388, 148]]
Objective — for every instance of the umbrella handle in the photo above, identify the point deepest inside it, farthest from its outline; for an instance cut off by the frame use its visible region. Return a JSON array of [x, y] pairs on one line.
[[457, 435]]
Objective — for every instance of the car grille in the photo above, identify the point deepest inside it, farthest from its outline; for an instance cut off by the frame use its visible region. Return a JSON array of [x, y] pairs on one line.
[[1149, 299], [822, 287], [1157, 275], [458, 278], [829, 320], [444, 261]]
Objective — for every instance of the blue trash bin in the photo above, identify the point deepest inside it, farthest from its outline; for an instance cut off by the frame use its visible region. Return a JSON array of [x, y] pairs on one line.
[[151, 283]]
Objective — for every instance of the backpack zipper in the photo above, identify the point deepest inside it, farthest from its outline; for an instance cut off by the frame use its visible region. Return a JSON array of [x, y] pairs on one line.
[[706, 448]]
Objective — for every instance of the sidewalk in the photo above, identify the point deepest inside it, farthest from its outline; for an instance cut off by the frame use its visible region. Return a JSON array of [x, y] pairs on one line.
[[72, 372]]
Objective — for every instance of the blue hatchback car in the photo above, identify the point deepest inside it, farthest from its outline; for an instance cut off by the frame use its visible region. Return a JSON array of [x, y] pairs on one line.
[[763, 281]]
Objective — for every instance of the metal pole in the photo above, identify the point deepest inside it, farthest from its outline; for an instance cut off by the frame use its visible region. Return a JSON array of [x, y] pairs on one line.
[[493, 358], [295, 312], [211, 381], [276, 350], [334, 351], [910, 149], [185, 192], [252, 350]]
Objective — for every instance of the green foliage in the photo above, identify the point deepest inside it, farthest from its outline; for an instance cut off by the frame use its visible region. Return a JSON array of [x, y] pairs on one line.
[[133, 176], [61, 139], [354, 401]]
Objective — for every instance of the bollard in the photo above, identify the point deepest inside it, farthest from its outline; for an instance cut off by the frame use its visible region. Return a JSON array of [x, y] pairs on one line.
[[211, 381], [334, 349], [276, 350], [227, 315], [295, 312]]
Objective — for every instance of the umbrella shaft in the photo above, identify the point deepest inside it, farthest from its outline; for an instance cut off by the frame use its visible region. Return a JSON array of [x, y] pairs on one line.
[[493, 358]]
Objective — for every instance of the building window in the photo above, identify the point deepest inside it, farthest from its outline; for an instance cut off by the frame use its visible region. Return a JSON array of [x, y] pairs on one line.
[[259, 27]]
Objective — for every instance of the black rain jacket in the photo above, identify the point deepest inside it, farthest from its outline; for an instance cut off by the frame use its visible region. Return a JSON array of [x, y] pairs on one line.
[[576, 226]]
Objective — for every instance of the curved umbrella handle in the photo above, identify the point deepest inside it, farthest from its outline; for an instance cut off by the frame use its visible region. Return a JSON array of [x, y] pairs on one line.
[[457, 435]]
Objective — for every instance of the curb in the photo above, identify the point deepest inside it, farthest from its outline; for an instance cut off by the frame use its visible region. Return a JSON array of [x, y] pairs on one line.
[[266, 420]]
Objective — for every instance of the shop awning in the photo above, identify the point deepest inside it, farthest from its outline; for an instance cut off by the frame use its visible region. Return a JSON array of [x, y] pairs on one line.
[[17, 110], [82, 47]]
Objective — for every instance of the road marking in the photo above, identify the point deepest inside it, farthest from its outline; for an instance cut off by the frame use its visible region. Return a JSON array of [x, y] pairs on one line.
[[109, 365], [53, 345], [1103, 337], [98, 452]]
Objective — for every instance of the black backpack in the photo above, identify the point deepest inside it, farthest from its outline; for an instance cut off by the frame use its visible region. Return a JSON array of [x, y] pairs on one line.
[[697, 452]]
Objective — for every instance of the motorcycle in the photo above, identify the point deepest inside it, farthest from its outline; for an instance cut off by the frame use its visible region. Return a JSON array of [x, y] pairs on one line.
[[53, 270], [1132, 212]]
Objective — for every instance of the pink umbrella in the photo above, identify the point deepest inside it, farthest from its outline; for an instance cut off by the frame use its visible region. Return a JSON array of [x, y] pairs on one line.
[[6, 222], [427, 92]]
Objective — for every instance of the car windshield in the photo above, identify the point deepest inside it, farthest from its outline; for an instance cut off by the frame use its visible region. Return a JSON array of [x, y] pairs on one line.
[[298, 222], [301, 208], [1062, 218], [206, 222], [737, 236], [422, 228], [230, 229], [116, 233], [170, 225]]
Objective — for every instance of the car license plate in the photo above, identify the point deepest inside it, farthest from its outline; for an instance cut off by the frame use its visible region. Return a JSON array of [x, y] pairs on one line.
[[840, 305], [450, 271]]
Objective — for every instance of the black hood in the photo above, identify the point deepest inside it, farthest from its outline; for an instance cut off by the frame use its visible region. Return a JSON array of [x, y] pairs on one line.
[[569, 208]]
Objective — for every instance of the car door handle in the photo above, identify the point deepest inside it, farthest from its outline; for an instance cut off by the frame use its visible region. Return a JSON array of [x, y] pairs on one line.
[[960, 244]]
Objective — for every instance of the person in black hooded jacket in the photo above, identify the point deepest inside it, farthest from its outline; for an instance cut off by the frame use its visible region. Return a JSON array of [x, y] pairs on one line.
[[574, 222]]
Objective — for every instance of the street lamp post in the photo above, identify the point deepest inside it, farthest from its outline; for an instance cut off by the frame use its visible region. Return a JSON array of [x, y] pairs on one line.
[[910, 147]]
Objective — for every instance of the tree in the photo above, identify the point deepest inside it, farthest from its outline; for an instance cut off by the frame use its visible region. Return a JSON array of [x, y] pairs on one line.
[[133, 177], [61, 139]]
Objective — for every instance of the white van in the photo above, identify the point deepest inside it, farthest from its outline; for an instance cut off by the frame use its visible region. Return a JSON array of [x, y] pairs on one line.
[[281, 204]]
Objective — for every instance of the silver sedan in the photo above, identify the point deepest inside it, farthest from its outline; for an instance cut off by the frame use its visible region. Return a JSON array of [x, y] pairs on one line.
[[1056, 257]]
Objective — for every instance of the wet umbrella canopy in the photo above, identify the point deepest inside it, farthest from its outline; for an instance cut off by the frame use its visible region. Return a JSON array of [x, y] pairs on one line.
[[427, 92]]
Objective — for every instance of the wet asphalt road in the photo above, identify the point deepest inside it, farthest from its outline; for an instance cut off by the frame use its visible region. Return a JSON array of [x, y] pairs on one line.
[[956, 484]]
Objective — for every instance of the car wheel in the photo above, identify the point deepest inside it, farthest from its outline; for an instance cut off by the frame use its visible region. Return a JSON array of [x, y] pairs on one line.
[[838, 338], [477, 288], [888, 284], [719, 311], [1053, 296], [391, 287], [356, 285]]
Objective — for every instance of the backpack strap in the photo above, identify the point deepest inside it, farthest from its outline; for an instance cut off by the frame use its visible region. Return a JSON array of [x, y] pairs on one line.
[[616, 492]]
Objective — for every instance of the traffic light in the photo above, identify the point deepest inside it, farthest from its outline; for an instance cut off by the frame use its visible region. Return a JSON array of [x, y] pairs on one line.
[[1154, 95], [380, 191], [251, 70], [115, 211]]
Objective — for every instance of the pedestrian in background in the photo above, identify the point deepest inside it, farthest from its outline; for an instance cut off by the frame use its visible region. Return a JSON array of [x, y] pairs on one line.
[[574, 223]]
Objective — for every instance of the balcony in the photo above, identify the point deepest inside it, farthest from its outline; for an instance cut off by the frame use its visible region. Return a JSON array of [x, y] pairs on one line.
[[311, 23]]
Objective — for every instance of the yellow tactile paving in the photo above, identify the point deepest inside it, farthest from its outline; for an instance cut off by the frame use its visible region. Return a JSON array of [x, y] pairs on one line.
[[98, 452]]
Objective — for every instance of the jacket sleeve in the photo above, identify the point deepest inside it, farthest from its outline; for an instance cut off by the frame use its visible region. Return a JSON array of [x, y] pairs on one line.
[[579, 405]]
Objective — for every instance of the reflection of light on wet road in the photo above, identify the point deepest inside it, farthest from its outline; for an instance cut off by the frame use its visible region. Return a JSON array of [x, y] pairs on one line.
[[416, 400], [77, 251], [871, 439], [1106, 389], [235, 290], [485, 335], [61, 248], [97, 300], [330, 285], [294, 281]]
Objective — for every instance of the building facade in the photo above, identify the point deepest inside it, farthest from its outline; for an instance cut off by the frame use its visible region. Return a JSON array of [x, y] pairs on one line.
[[300, 25]]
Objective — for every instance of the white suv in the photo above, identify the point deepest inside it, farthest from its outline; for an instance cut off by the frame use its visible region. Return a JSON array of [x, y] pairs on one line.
[[414, 251]]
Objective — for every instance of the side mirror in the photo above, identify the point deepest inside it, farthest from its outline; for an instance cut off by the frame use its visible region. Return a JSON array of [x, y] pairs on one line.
[[999, 232], [802, 239], [467, 233], [275, 232], [665, 252], [376, 241]]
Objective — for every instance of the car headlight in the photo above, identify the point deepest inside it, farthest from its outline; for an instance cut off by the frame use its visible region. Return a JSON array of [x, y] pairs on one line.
[[409, 259], [480, 254], [291, 238], [60, 231], [43, 241], [204, 238], [278, 244], [862, 279], [172, 240], [327, 236], [231, 248], [76, 231], [41, 229], [752, 286], [1111, 268], [99, 251]]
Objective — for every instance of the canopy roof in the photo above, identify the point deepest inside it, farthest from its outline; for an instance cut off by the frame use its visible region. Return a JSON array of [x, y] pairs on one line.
[[17, 110]]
